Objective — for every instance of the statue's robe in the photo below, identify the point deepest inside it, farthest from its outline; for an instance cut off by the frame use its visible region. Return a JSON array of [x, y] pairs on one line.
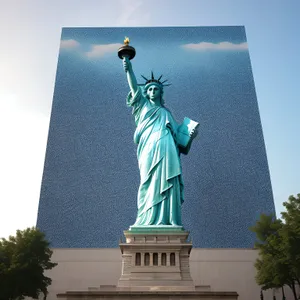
[[160, 193]]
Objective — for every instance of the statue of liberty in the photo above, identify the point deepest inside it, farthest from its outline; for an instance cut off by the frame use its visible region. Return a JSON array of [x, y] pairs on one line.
[[160, 141]]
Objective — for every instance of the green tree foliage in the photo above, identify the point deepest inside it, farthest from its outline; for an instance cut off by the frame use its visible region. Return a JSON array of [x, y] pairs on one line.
[[23, 259], [291, 233], [278, 242]]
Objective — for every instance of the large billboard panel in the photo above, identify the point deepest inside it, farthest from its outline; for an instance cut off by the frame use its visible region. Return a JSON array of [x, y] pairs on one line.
[[91, 176]]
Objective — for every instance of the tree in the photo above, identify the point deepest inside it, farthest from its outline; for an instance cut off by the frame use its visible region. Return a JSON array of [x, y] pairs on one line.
[[291, 232], [278, 243], [23, 260]]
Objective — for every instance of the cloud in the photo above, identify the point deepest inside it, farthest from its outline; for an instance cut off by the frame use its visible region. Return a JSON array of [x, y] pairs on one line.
[[69, 44], [132, 13], [223, 46], [100, 50]]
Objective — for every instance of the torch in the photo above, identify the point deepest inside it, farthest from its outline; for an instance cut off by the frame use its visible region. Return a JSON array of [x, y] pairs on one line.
[[126, 51]]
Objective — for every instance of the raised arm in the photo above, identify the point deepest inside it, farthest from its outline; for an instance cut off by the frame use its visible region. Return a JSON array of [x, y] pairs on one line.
[[130, 75]]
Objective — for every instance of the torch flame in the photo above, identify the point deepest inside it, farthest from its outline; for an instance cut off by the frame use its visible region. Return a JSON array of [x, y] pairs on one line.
[[126, 41]]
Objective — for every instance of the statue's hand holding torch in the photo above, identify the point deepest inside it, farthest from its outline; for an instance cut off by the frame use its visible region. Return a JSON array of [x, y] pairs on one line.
[[126, 53], [127, 64]]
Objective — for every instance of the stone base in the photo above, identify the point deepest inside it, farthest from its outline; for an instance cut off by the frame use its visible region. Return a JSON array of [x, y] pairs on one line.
[[155, 265], [162, 295], [156, 258]]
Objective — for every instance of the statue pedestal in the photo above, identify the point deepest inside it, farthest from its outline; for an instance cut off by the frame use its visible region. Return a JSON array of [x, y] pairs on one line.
[[156, 259], [155, 265]]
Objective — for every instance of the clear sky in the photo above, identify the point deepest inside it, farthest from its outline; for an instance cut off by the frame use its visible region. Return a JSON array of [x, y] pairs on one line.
[[30, 36]]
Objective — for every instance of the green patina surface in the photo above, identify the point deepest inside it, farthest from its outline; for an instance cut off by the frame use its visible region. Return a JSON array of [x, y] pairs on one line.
[[160, 141]]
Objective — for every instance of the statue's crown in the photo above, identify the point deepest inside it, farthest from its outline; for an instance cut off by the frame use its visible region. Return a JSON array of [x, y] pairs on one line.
[[153, 80]]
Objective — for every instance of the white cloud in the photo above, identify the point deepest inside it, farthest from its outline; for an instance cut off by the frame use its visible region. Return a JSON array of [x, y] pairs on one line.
[[69, 44], [101, 50], [132, 13], [223, 46]]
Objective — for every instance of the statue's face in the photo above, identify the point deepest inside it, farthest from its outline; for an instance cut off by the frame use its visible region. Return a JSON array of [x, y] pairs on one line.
[[154, 93]]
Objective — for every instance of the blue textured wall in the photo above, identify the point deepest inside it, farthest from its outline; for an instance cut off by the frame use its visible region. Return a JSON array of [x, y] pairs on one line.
[[90, 181]]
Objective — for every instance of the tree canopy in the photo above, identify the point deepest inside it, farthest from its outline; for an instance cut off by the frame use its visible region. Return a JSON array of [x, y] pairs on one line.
[[278, 242], [23, 260]]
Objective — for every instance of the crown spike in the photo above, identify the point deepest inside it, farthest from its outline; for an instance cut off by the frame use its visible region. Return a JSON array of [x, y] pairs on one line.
[[145, 78], [167, 84], [165, 81], [152, 76], [159, 78]]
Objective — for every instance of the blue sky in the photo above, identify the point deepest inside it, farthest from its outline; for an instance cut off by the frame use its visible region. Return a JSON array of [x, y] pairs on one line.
[[30, 33]]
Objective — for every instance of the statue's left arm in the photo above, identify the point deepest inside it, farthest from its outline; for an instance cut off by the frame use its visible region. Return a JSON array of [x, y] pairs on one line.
[[185, 150], [186, 133]]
